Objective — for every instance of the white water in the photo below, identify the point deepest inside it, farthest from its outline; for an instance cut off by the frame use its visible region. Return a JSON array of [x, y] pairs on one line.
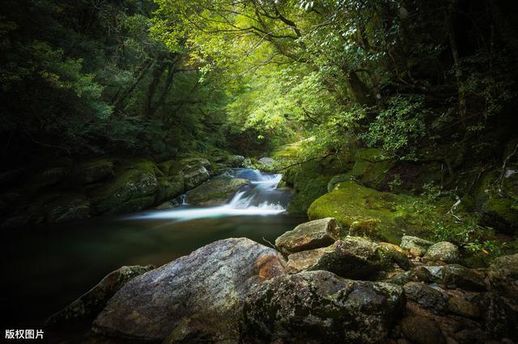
[[260, 198]]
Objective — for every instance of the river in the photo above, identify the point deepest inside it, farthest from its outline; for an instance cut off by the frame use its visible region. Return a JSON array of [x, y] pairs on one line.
[[46, 267]]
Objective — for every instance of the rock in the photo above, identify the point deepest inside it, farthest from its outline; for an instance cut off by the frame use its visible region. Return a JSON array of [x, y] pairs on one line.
[[194, 172], [134, 189], [168, 205], [266, 161], [309, 235], [434, 299], [416, 246], [500, 316], [397, 254], [458, 276], [215, 191], [339, 178], [320, 307], [366, 228], [460, 306], [235, 160], [503, 275], [169, 187], [442, 251], [421, 330], [418, 274], [95, 171], [352, 257], [68, 208], [196, 296], [87, 306]]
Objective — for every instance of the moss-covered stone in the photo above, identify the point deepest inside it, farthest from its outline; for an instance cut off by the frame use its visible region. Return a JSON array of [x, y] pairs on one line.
[[169, 187], [216, 191], [94, 171], [394, 214], [133, 189], [496, 199], [371, 167]]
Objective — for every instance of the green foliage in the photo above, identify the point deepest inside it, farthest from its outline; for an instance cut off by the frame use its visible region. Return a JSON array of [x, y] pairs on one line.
[[399, 127]]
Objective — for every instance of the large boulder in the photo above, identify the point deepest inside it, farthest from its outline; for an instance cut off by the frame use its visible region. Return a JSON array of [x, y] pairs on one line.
[[320, 307], [87, 306], [352, 257], [443, 251], [503, 275], [196, 297], [421, 330], [133, 189], [309, 235], [215, 191], [169, 187]]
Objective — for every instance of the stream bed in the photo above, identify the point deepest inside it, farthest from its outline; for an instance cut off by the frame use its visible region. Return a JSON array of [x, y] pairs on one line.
[[46, 267]]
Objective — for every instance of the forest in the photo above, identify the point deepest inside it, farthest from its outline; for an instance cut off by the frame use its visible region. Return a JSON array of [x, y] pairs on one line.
[[259, 171]]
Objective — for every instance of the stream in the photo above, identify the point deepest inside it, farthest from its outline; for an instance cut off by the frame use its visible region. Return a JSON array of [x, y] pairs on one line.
[[46, 267]]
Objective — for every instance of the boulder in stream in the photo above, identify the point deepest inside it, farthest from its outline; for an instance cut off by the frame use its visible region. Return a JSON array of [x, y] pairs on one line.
[[198, 297]]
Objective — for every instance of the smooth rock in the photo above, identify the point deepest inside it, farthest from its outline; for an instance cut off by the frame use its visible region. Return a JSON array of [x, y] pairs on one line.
[[87, 306], [309, 235], [443, 251], [320, 307], [352, 257], [416, 246], [196, 296]]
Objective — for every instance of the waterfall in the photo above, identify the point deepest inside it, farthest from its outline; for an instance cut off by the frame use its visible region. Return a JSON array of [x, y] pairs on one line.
[[260, 197]]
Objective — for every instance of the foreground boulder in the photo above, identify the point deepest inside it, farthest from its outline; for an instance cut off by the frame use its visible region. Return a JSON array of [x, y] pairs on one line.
[[309, 235], [352, 257], [92, 302], [196, 297], [320, 307], [216, 191]]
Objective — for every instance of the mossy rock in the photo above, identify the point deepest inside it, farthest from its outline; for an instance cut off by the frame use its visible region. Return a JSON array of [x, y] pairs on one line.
[[169, 187], [134, 188], [371, 167], [94, 171], [496, 199], [216, 191], [390, 214]]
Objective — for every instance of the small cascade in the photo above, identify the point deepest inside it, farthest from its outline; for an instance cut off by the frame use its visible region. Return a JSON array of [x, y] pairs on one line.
[[260, 197]]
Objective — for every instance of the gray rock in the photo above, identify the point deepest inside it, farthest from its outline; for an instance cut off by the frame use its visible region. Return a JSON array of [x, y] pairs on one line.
[[433, 299], [87, 306], [352, 257], [194, 176], [196, 296], [416, 246], [442, 251], [309, 235], [215, 191], [235, 161], [503, 275], [266, 161], [320, 307]]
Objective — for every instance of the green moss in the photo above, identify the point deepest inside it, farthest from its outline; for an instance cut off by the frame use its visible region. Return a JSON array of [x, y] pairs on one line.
[[394, 215]]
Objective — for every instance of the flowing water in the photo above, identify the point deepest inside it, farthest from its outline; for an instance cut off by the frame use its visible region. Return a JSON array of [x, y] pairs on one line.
[[46, 267]]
